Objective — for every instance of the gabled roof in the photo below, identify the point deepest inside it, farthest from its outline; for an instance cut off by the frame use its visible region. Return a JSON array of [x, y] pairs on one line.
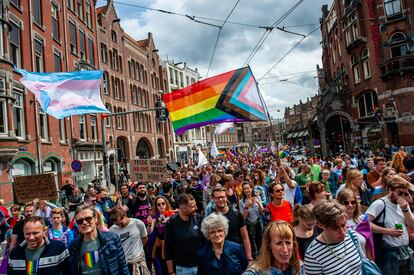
[[143, 43]]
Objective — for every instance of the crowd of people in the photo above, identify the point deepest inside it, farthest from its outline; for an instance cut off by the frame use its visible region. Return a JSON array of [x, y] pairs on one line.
[[242, 213]]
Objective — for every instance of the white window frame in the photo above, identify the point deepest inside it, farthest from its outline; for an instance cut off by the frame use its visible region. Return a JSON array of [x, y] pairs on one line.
[[18, 48], [94, 129], [365, 63], [55, 16], [82, 126], [392, 2], [62, 130], [43, 133], [3, 104], [18, 106]]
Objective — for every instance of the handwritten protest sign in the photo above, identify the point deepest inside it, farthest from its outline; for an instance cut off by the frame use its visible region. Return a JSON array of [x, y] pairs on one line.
[[28, 188], [149, 170]]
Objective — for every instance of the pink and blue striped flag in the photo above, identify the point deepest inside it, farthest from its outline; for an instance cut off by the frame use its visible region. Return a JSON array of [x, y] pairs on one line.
[[66, 93]]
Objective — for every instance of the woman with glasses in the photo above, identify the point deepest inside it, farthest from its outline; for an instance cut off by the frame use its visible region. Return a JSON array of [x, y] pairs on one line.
[[95, 252], [354, 181], [357, 221], [219, 256], [278, 208], [278, 256], [334, 251], [162, 212], [251, 208], [57, 231]]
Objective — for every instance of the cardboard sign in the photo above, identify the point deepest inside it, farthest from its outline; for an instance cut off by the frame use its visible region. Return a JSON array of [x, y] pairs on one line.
[[28, 188], [149, 170]]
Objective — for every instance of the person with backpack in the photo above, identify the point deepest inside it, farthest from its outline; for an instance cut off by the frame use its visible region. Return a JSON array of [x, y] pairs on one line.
[[391, 218], [57, 231]]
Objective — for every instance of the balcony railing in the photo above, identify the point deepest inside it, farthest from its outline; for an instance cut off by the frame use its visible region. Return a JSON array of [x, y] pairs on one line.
[[397, 66]]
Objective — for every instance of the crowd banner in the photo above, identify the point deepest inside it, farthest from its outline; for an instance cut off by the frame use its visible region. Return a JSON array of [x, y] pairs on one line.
[[149, 170], [41, 186]]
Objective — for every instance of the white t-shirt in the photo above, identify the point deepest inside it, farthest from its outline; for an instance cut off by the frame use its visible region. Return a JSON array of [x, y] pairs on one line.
[[131, 238], [393, 215], [289, 193], [353, 225]]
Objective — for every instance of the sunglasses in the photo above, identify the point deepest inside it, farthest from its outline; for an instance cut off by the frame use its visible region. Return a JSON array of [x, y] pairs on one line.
[[161, 203], [405, 194], [350, 203], [279, 190], [86, 219]]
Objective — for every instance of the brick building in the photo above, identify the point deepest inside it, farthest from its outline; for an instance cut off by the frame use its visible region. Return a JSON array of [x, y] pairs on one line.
[[368, 65], [43, 36], [134, 80]]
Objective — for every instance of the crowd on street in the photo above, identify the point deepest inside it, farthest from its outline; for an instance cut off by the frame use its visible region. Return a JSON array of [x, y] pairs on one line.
[[258, 212]]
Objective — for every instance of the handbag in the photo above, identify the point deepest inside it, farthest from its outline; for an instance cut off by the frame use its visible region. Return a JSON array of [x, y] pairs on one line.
[[368, 267], [378, 236]]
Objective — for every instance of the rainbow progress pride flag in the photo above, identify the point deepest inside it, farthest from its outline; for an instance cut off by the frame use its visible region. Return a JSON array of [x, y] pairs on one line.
[[229, 97]]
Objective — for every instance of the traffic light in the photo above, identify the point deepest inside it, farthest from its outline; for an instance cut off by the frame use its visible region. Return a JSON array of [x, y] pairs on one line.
[[161, 111]]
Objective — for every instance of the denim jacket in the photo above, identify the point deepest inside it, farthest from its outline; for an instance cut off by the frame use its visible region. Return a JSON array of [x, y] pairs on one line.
[[111, 254], [232, 260]]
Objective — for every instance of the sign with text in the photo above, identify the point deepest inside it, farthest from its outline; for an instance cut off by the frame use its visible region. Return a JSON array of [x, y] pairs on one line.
[[149, 170], [28, 188]]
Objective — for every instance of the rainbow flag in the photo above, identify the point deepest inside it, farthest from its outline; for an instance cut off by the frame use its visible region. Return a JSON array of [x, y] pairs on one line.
[[31, 267], [91, 258], [229, 97]]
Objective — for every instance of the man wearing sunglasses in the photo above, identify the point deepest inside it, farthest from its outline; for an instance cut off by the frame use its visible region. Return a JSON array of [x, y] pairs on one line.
[[133, 236], [396, 257]]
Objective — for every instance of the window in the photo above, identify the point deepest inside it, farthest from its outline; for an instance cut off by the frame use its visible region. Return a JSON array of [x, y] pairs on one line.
[[119, 120], [365, 63], [82, 45], [91, 53], [398, 45], [82, 127], [88, 14], [55, 21], [108, 119], [15, 50], [80, 9], [39, 58], [18, 115], [37, 11], [3, 117], [113, 36], [104, 53], [367, 103], [105, 83], [43, 125], [15, 2], [392, 7], [71, 5], [141, 73], [171, 76], [62, 130], [355, 69], [94, 131], [58, 61], [116, 88], [72, 34], [115, 59], [355, 32]]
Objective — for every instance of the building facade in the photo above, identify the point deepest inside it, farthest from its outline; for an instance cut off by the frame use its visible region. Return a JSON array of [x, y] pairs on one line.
[[44, 36], [266, 134], [368, 73], [134, 80], [179, 75]]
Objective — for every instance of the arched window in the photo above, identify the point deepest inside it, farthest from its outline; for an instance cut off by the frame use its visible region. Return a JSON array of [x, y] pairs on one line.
[[365, 63], [143, 150], [355, 69], [367, 102], [398, 45]]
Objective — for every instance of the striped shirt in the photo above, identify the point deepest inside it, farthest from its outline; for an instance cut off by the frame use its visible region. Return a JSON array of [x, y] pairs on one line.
[[334, 259]]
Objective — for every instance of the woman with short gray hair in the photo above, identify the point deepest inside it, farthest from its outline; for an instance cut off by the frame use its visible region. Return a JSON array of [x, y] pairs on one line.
[[219, 256]]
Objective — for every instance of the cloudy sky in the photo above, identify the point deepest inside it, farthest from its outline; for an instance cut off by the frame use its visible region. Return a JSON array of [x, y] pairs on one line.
[[183, 40]]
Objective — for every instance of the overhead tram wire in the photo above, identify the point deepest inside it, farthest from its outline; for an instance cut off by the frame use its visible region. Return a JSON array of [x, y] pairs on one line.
[[194, 18], [218, 37], [283, 75], [268, 31], [286, 54]]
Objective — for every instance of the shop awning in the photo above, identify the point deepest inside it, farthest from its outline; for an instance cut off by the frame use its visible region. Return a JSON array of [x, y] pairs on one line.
[[300, 134], [295, 135], [290, 135], [305, 133]]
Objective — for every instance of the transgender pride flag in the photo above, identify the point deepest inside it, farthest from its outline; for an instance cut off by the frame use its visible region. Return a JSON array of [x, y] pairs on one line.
[[65, 94]]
